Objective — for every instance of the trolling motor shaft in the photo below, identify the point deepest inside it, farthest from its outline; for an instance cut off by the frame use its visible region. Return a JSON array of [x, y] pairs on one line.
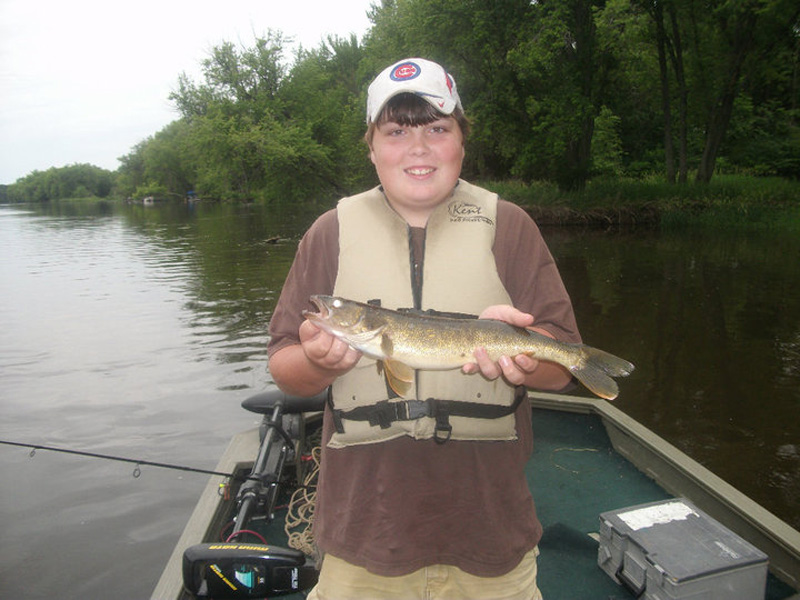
[[263, 485]]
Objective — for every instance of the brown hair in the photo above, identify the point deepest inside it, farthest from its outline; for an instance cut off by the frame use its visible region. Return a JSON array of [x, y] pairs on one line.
[[409, 110]]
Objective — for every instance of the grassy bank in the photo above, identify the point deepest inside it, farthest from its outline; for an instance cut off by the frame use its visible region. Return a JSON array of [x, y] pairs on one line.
[[729, 201]]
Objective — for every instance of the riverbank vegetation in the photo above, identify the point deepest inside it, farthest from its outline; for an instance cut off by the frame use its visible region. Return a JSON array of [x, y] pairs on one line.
[[729, 201], [581, 109], [74, 181]]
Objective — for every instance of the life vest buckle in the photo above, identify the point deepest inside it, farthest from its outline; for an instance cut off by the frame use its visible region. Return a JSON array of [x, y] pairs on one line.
[[416, 409], [383, 415], [443, 429]]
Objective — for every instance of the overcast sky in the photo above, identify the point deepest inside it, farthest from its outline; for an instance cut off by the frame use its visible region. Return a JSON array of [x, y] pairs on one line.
[[84, 81]]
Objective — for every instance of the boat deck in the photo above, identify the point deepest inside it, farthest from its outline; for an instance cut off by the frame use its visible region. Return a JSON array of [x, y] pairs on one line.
[[576, 474]]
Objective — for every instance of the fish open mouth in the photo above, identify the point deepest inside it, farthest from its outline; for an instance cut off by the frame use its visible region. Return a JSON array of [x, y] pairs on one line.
[[322, 308]]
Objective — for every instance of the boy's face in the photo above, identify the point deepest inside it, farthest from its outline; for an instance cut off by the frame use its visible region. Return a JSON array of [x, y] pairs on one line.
[[418, 166]]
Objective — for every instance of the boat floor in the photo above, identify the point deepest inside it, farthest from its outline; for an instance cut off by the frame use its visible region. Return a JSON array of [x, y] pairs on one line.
[[575, 475]]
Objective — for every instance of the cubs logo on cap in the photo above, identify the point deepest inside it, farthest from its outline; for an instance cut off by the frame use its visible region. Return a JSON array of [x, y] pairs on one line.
[[419, 76], [404, 72]]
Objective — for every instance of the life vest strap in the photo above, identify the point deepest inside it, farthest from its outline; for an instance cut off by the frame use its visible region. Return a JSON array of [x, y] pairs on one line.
[[384, 413]]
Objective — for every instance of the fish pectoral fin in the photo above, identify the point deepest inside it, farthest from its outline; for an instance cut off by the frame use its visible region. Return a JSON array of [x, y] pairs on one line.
[[399, 375], [365, 336], [399, 370]]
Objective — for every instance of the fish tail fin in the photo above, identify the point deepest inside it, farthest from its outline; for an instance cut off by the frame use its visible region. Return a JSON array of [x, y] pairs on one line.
[[597, 370]]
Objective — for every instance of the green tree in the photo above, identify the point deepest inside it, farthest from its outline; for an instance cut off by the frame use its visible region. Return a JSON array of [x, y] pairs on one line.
[[167, 159], [606, 148], [254, 131], [568, 70], [325, 90], [131, 173], [702, 61], [556, 90], [669, 51]]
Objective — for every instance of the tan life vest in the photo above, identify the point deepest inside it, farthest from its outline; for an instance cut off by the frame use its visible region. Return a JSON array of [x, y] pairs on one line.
[[459, 275]]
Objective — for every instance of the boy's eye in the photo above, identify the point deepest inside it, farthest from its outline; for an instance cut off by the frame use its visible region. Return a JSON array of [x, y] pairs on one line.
[[440, 126], [392, 129]]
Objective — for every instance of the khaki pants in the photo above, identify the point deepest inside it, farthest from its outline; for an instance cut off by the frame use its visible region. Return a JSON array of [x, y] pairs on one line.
[[339, 580]]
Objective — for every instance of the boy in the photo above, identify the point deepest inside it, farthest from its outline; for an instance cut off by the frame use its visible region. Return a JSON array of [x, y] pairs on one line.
[[400, 514]]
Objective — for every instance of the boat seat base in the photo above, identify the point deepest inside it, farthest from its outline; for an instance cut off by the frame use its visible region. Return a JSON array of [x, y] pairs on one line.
[[265, 402]]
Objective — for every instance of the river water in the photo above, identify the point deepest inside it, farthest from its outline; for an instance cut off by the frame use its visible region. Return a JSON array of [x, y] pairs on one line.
[[137, 331]]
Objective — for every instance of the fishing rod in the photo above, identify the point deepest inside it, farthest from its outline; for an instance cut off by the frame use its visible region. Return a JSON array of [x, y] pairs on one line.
[[137, 462]]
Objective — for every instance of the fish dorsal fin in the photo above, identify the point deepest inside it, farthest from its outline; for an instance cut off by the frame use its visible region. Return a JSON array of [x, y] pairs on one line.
[[399, 375]]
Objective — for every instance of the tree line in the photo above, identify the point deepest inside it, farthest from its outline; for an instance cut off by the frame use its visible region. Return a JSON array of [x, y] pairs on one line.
[[557, 90], [73, 181]]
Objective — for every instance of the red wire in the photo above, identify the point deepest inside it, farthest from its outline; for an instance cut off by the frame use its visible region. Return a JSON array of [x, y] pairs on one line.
[[228, 525], [250, 531]]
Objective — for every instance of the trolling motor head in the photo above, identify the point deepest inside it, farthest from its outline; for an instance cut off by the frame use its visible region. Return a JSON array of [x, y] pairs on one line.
[[238, 570]]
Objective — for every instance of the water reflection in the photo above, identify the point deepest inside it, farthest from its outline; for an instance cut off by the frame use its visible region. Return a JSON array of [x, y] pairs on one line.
[[238, 256], [711, 323]]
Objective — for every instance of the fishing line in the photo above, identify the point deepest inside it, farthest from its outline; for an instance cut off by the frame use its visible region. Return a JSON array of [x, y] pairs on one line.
[[136, 472]]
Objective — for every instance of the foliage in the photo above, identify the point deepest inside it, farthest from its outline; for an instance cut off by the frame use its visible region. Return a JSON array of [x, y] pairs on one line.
[[255, 129], [158, 166], [728, 202], [606, 145], [74, 181], [763, 139]]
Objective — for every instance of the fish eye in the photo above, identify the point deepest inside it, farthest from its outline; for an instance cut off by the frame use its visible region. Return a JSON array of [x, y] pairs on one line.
[[337, 303]]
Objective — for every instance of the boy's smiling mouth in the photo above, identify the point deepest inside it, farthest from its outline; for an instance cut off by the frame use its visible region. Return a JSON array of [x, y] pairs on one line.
[[420, 170]]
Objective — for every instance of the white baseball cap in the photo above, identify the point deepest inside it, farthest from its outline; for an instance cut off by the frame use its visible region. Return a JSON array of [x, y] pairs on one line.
[[418, 76]]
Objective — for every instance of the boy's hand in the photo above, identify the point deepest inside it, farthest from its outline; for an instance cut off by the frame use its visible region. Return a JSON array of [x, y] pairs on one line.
[[515, 370], [325, 351]]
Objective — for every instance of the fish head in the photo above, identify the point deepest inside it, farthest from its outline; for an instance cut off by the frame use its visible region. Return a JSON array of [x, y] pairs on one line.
[[338, 316]]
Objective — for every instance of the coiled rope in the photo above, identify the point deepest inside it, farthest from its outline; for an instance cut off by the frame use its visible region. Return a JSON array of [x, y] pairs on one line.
[[300, 512]]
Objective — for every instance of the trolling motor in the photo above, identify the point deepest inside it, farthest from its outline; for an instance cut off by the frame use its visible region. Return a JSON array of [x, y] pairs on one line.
[[236, 570], [243, 570]]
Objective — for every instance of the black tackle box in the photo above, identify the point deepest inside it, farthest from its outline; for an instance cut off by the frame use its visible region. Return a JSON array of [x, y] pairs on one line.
[[671, 550]]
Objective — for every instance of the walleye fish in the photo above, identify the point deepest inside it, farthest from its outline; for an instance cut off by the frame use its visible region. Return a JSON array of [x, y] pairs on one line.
[[405, 341]]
